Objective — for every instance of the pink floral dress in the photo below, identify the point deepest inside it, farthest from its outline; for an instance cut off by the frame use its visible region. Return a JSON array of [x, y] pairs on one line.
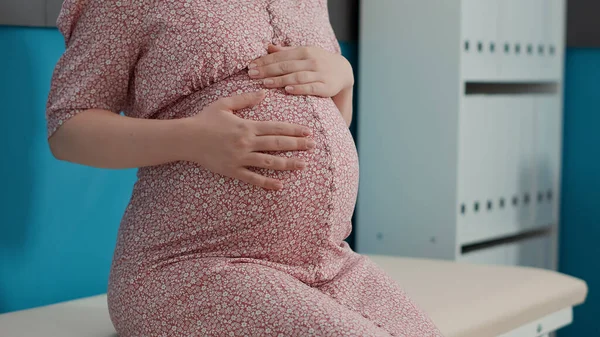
[[199, 254]]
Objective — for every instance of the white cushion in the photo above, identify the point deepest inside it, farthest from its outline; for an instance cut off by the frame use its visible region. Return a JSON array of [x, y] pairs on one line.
[[86, 317], [464, 300], [467, 300]]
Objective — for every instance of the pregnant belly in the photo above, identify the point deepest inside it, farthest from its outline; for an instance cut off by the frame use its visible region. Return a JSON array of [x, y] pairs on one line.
[[186, 206]]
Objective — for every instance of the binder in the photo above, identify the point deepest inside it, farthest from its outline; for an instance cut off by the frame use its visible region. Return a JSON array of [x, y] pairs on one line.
[[479, 32], [491, 163], [464, 199], [511, 164], [490, 31], [494, 255], [503, 122], [548, 149], [470, 172], [548, 40], [533, 34], [525, 166], [509, 36], [530, 253], [486, 183], [557, 22]]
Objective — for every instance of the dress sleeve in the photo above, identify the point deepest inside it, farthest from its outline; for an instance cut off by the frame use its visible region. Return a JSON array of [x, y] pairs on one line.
[[102, 39]]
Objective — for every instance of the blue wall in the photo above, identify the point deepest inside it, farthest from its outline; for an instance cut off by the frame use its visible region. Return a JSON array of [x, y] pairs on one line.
[[58, 221], [580, 213]]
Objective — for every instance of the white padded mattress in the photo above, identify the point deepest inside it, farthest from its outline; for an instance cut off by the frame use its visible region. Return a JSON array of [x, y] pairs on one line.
[[464, 300]]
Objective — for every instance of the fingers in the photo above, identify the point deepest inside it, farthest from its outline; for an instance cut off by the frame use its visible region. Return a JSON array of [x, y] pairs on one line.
[[313, 89], [279, 54], [256, 179], [274, 48], [282, 143], [263, 128], [283, 68], [238, 102], [302, 77], [270, 162]]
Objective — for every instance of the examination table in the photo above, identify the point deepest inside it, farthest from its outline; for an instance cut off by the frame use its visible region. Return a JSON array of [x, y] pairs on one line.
[[464, 300]]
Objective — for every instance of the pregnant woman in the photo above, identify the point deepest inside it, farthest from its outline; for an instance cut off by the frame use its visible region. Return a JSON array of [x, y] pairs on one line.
[[236, 114]]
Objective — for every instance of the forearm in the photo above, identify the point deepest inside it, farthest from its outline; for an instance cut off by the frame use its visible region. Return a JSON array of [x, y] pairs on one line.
[[103, 139], [343, 101]]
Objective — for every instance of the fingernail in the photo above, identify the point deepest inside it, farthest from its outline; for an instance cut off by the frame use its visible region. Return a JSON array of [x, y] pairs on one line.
[[289, 88], [268, 82], [278, 185], [253, 72], [311, 144], [252, 65], [306, 132], [300, 165]]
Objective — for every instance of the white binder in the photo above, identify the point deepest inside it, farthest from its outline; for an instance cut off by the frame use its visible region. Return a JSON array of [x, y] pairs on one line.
[[512, 41], [533, 252], [548, 39], [470, 172], [503, 122], [556, 36], [547, 157], [534, 36], [479, 35], [526, 161], [493, 255], [511, 163]]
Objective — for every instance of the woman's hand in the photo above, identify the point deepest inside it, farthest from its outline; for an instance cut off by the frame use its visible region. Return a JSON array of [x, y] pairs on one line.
[[226, 144], [303, 71]]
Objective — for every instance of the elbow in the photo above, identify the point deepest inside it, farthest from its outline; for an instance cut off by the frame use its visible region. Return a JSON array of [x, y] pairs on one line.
[[57, 147]]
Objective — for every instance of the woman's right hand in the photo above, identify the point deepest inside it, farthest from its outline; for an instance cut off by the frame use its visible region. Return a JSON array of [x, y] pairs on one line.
[[226, 144]]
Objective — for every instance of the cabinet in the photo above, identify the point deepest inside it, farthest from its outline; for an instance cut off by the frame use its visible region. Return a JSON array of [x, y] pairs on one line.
[[459, 129]]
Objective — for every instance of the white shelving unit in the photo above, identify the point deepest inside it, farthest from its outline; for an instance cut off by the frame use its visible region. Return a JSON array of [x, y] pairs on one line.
[[459, 131]]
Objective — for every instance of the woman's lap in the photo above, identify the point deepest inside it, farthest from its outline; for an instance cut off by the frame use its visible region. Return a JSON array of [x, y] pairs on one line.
[[247, 299], [365, 288]]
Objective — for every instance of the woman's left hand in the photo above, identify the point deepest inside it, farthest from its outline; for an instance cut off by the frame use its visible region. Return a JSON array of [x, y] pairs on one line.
[[303, 71]]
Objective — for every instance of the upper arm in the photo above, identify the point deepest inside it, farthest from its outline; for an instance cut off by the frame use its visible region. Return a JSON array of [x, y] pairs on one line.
[[102, 39]]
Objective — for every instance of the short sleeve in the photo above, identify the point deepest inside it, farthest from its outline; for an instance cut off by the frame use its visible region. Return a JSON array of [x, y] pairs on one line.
[[102, 39]]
